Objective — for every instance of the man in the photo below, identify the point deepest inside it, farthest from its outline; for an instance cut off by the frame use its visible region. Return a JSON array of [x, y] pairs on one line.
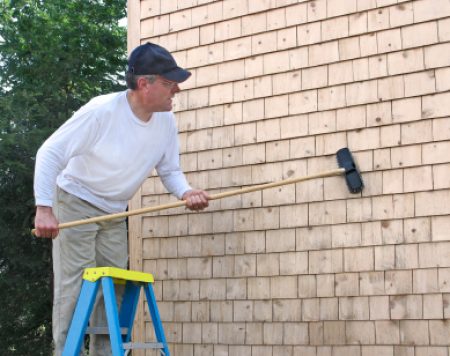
[[98, 159]]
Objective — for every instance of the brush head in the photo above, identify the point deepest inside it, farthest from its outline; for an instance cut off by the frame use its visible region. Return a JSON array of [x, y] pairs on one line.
[[352, 176]]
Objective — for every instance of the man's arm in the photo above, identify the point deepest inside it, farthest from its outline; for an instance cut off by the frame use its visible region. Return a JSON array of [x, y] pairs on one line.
[[45, 222], [173, 178], [75, 137]]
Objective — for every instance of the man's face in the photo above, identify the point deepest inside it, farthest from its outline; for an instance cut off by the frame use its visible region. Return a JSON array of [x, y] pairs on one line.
[[160, 94]]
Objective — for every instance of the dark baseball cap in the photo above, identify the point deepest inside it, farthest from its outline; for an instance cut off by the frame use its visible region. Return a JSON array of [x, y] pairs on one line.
[[150, 58]]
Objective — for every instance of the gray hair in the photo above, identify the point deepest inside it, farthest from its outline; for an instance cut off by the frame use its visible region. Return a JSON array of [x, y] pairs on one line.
[[132, 79]]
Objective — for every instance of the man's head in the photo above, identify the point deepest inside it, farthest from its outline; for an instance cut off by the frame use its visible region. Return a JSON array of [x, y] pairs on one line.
[[151, 60], [153, 76]]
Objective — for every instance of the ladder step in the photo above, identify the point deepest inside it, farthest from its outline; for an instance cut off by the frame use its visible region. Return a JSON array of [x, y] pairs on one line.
[[142, 345], [103, 330]]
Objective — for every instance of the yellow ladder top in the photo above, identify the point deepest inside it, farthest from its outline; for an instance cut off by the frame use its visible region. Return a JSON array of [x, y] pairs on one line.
[[93, 274]]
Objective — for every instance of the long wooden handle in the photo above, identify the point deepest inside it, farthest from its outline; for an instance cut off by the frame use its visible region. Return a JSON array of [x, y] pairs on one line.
[[183, 202]]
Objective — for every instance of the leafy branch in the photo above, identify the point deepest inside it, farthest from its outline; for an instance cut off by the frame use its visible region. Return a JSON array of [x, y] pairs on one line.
[[54, 58]]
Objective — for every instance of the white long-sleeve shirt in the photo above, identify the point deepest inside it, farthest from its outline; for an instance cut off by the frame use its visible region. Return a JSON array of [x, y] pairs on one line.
[[104, 153]]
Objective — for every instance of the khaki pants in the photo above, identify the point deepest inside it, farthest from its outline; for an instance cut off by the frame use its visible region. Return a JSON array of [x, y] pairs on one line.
[[94, 245]]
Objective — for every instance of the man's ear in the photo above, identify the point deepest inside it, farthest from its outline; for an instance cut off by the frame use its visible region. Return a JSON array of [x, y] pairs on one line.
[[143, 84]]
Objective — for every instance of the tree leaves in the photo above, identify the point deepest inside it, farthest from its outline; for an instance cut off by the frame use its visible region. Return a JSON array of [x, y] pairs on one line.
[[54, 57]]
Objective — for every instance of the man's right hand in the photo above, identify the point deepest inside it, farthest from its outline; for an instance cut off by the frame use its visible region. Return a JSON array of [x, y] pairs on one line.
[[45, 222]]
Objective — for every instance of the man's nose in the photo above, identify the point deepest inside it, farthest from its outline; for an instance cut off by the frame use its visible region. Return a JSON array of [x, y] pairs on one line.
[[176, 88]]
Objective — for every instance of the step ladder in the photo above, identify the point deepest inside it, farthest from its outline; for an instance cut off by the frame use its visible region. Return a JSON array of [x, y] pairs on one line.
[[119, 325]]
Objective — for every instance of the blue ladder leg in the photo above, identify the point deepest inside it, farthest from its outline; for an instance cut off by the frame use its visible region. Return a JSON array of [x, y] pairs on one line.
[[80, 319], [112, 316], [128, 308], [151, 301]]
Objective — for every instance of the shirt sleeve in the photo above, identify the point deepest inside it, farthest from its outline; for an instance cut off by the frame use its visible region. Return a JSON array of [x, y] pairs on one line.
[[169, 169], [75, 137]]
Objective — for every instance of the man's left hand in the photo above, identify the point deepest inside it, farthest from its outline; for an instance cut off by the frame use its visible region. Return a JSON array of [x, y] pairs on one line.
[[196, 200]]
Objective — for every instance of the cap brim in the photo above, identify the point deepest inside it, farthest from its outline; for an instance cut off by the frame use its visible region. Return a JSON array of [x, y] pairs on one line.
[[177, 75]]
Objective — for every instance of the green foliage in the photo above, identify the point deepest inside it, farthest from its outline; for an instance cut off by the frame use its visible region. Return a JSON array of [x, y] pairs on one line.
[[54, 57]]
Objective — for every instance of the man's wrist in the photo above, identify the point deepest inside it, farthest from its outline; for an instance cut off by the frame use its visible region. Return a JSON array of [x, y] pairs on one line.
[[44, 208], [187, 191]]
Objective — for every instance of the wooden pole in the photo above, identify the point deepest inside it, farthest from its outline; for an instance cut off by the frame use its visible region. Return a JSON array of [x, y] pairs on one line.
[[183, 202]]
